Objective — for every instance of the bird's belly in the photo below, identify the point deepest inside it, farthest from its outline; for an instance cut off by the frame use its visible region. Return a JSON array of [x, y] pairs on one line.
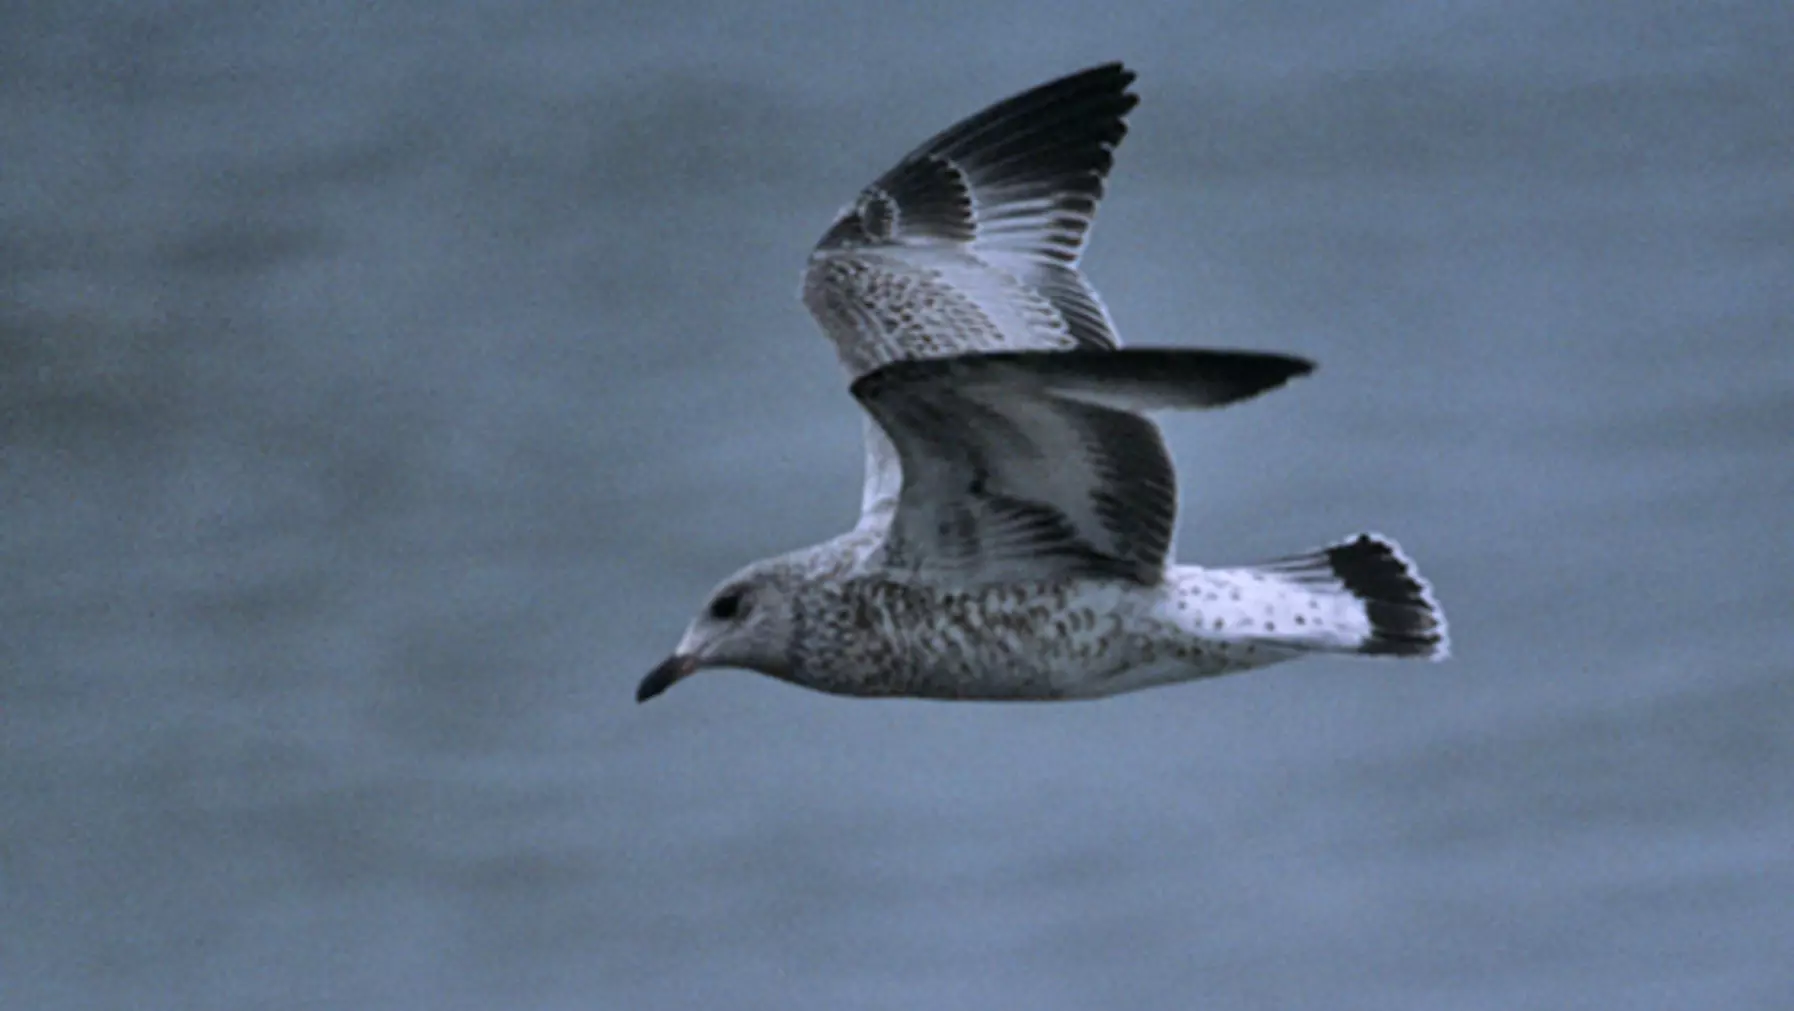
[[1025, 654]]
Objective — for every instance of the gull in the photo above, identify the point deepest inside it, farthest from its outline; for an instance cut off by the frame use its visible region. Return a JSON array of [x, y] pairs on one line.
[[1015, 537]]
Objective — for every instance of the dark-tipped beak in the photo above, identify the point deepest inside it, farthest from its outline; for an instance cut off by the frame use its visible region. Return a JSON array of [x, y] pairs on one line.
[[661, 678]]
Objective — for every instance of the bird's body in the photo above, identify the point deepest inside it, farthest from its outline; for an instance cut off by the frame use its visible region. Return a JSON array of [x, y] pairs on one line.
[[1015, 534], [865, 632]]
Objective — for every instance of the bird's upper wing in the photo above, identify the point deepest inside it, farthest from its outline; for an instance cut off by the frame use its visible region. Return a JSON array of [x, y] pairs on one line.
[[1038, 465], [971, 243]]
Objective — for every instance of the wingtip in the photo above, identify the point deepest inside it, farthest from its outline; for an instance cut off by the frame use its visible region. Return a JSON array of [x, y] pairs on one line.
[[1130, 379], [1117, 71], [1054, 142], [1296, 367]]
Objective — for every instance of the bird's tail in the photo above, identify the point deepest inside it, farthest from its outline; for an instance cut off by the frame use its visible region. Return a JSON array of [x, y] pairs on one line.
[[1369, 575]]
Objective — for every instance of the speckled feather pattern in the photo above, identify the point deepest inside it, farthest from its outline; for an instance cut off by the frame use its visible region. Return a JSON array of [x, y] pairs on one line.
[[971, 242], [1016, 516], [878, 308], [872, 635]]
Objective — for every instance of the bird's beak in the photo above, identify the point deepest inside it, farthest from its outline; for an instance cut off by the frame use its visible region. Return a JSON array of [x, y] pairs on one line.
[[662, 677]]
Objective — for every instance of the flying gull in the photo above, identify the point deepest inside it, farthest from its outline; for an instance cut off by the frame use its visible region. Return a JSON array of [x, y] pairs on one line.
[[1015, 540]]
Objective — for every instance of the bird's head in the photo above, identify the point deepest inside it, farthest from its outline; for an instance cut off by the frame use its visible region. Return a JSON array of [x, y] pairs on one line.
[[748, 621]]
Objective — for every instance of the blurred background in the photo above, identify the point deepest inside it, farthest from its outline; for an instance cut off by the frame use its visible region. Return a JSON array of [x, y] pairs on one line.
[[382, 387]]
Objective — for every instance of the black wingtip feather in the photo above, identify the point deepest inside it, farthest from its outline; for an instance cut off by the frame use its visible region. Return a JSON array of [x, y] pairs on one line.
[[1132, 379], [1093, 100], [1055, 142]]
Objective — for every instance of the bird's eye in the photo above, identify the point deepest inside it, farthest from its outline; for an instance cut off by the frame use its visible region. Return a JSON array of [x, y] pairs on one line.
[[727, 606]]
